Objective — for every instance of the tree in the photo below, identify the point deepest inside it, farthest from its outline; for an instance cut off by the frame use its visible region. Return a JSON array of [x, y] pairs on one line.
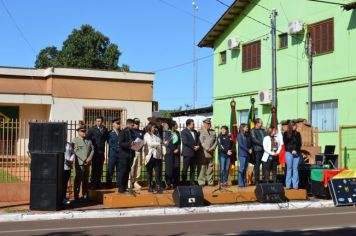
[[84, 48]]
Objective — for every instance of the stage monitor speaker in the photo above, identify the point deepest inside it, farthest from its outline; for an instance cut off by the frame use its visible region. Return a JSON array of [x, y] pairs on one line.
[[47, 137], [188, 196], [343, 191], [270, 193], [46, 189]]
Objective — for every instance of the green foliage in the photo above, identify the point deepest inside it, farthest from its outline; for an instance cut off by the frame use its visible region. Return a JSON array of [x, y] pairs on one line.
[[84, 48]]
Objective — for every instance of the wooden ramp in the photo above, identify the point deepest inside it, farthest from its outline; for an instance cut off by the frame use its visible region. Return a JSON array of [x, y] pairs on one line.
[[212, 195]]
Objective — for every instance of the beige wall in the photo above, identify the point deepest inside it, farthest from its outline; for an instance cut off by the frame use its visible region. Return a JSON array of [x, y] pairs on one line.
[[72, 87], [23, 85], [102, 89], [73, 109], [34, 112]]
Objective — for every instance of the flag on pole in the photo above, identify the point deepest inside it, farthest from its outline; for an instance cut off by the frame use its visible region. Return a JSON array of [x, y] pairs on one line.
[[274, 124], [251, 115], [233, 133]]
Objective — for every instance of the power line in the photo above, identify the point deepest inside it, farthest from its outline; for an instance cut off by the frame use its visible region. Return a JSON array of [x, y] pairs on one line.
[[205, 57], [183, 64], [258, 21], [18, 27], [327, 2], [186, 12]]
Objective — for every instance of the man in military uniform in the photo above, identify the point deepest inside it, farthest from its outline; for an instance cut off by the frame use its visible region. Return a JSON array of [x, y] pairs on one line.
[[113, 153], [84, 152], [98, 134], [207, 138], [135, 172]]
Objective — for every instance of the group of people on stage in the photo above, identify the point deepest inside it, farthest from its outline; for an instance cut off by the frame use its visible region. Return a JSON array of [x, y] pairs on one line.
[[162, 143]]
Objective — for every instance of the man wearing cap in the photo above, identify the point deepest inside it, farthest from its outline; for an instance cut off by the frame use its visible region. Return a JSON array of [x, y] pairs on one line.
[[207, 138], [98, 134], [113, 153], [135, 172], [126, 154], [84, 152]]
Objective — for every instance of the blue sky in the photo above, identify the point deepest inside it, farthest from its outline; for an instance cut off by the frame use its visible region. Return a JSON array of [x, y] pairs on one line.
[[151, 34]]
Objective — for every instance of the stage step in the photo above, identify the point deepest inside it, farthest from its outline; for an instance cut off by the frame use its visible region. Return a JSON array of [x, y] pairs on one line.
[[212, 195]]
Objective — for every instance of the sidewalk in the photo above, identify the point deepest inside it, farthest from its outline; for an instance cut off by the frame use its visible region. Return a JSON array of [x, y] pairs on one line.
[[21, 211]]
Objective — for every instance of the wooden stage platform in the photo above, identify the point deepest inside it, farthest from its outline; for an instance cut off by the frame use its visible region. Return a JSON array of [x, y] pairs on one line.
[[112, 199]]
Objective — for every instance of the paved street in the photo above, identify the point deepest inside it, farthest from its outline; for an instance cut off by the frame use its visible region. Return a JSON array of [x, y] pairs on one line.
[[327, 221]]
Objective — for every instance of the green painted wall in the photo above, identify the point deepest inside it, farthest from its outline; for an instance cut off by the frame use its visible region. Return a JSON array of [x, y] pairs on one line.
[[334, 74]]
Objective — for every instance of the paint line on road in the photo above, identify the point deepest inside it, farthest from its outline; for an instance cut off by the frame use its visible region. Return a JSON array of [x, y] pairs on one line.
[[176, 222]]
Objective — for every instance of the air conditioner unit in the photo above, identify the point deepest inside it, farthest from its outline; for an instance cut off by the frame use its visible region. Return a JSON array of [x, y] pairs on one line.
[[233, 43], [265, 97], [295, 27]]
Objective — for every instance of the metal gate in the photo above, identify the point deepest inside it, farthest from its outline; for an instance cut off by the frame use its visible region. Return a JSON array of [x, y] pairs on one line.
[[347, 147]]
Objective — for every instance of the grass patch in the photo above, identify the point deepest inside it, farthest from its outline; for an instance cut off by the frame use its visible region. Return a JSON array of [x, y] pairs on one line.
[[6, 177]]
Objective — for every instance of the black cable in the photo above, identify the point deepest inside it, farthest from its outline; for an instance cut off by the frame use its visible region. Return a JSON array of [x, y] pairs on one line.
[[17, 27], [327, 2], [186, 12], [262, 23]]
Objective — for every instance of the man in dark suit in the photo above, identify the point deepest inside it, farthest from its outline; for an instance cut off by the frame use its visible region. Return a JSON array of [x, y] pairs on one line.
[[98, 135], [113, 157], [126, 154], [190, 141]]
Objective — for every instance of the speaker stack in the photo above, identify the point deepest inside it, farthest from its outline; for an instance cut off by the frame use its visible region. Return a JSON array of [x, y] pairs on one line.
[[47, 143]]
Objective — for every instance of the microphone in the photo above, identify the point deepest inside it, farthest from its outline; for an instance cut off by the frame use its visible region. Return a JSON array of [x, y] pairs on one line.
[[332, 164]]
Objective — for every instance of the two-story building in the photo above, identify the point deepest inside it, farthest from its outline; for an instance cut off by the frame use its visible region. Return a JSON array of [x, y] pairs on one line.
[[241, 40]]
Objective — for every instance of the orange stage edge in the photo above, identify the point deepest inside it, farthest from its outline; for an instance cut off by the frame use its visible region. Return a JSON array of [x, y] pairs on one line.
[[212, 195]]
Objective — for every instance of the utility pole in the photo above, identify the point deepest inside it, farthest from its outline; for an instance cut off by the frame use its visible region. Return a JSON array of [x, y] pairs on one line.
[[310, 77], [274, 67], [195, 71]]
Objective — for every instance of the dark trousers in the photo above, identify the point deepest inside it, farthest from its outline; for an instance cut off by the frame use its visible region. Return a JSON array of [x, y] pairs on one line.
[[270, 166], [97, 168], [172, 164], [66, 177], [81, 177], [191, 163], [154, 164], [113, 166], [125, 164], [258, 161]]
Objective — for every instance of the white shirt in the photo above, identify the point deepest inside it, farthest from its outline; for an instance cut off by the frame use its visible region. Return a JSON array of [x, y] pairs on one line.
[[68, 156], [193, 134]]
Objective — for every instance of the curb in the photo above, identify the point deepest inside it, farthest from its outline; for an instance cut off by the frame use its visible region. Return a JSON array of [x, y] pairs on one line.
[[136, 212]]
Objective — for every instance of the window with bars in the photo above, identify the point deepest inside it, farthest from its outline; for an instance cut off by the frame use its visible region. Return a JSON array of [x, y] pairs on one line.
[[251, 56], [283, 40], [322, 35], [222, 59], [325, 116], [90, 115]]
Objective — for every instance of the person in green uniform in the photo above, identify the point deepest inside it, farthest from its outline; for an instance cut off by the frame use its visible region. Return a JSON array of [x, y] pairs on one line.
[[84, 151]]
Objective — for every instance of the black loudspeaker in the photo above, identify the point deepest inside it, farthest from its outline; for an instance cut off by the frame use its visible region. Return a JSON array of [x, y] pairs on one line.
[[318, 189], [270, 193], [46, 189], [47, 137], [343, 191], [188, 196], [304, 177]]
